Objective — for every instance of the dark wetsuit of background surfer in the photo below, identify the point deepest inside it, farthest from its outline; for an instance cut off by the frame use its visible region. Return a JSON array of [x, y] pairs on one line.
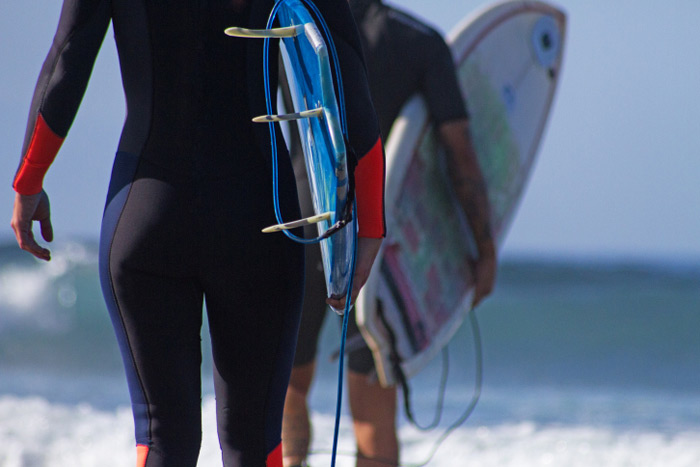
[[189, 193], [394, 77]]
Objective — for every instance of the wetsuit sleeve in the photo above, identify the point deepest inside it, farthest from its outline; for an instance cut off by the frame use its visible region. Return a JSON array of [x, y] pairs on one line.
[[369, 190], [60, 88], [363, 127], [440, 86]]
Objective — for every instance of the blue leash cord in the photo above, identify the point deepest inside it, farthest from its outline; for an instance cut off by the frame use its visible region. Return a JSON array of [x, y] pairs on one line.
[[268, 102], [275, 184], [346, 314]]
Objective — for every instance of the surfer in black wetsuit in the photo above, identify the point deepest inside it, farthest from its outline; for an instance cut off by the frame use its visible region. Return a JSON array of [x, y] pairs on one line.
[[189, 193], [404, 57]]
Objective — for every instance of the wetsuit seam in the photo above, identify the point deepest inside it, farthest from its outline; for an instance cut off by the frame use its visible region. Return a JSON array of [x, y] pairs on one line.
[[119, 310], [140, 156]]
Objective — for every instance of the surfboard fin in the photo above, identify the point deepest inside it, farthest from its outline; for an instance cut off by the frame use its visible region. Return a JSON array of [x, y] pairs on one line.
[[274, 33], [299, 223], [311, 113]]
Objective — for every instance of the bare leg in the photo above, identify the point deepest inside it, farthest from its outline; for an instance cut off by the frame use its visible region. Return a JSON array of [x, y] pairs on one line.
[[374, 415], [296, 426]]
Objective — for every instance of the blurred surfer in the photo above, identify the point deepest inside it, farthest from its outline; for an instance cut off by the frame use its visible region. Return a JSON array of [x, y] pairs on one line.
[[404, 57]]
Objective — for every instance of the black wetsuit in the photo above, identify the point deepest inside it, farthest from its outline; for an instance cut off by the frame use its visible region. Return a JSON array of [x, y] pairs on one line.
[[190, 191], [404, 57]]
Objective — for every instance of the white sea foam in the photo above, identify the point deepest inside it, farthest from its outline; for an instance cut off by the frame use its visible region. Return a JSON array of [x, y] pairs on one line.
[[29, 288], [36, 433], [526, 444], [580, 370], [21, 288]]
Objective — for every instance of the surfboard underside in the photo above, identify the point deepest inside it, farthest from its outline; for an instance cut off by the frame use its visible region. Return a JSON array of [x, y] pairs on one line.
[[508, 61]]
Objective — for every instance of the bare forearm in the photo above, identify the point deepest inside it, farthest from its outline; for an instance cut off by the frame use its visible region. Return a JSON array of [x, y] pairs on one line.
[[468, 183]]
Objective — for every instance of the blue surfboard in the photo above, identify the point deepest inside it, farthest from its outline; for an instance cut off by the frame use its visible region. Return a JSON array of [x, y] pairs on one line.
[[316, 110], [322, 130]]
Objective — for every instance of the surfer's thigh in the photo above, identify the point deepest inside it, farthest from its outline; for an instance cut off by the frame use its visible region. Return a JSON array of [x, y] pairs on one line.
[[155, 307]]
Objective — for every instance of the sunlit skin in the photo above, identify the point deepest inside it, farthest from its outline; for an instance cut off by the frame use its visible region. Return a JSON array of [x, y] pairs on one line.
[[27, 209], [367, 249], [470, 188]]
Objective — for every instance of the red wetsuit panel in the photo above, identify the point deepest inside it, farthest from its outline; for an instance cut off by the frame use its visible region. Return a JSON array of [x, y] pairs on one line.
[[141, 455], [274, 459], [369, 187], [42, 151]]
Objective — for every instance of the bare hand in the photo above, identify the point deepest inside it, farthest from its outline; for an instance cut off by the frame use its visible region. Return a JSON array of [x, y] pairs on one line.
[[484, 278], [30, 208], [367, 249]]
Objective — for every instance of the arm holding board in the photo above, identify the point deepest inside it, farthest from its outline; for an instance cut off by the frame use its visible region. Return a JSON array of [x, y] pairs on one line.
[[470, 189]]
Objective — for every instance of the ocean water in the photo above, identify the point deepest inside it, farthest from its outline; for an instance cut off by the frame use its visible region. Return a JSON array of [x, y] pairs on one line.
[[585, 363]]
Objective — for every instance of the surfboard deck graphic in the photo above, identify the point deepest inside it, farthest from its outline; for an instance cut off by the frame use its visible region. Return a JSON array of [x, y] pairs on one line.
[[308, 70], [508, 59]]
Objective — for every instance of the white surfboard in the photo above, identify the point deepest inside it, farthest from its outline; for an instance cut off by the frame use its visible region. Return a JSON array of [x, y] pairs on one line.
[[508, 58]]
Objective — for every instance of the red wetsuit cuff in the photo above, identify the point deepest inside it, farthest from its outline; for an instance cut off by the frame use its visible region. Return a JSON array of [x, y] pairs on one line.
[[43, 147]]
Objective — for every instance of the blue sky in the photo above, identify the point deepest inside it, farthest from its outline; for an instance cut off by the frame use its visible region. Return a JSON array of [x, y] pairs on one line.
[[618, 173]]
